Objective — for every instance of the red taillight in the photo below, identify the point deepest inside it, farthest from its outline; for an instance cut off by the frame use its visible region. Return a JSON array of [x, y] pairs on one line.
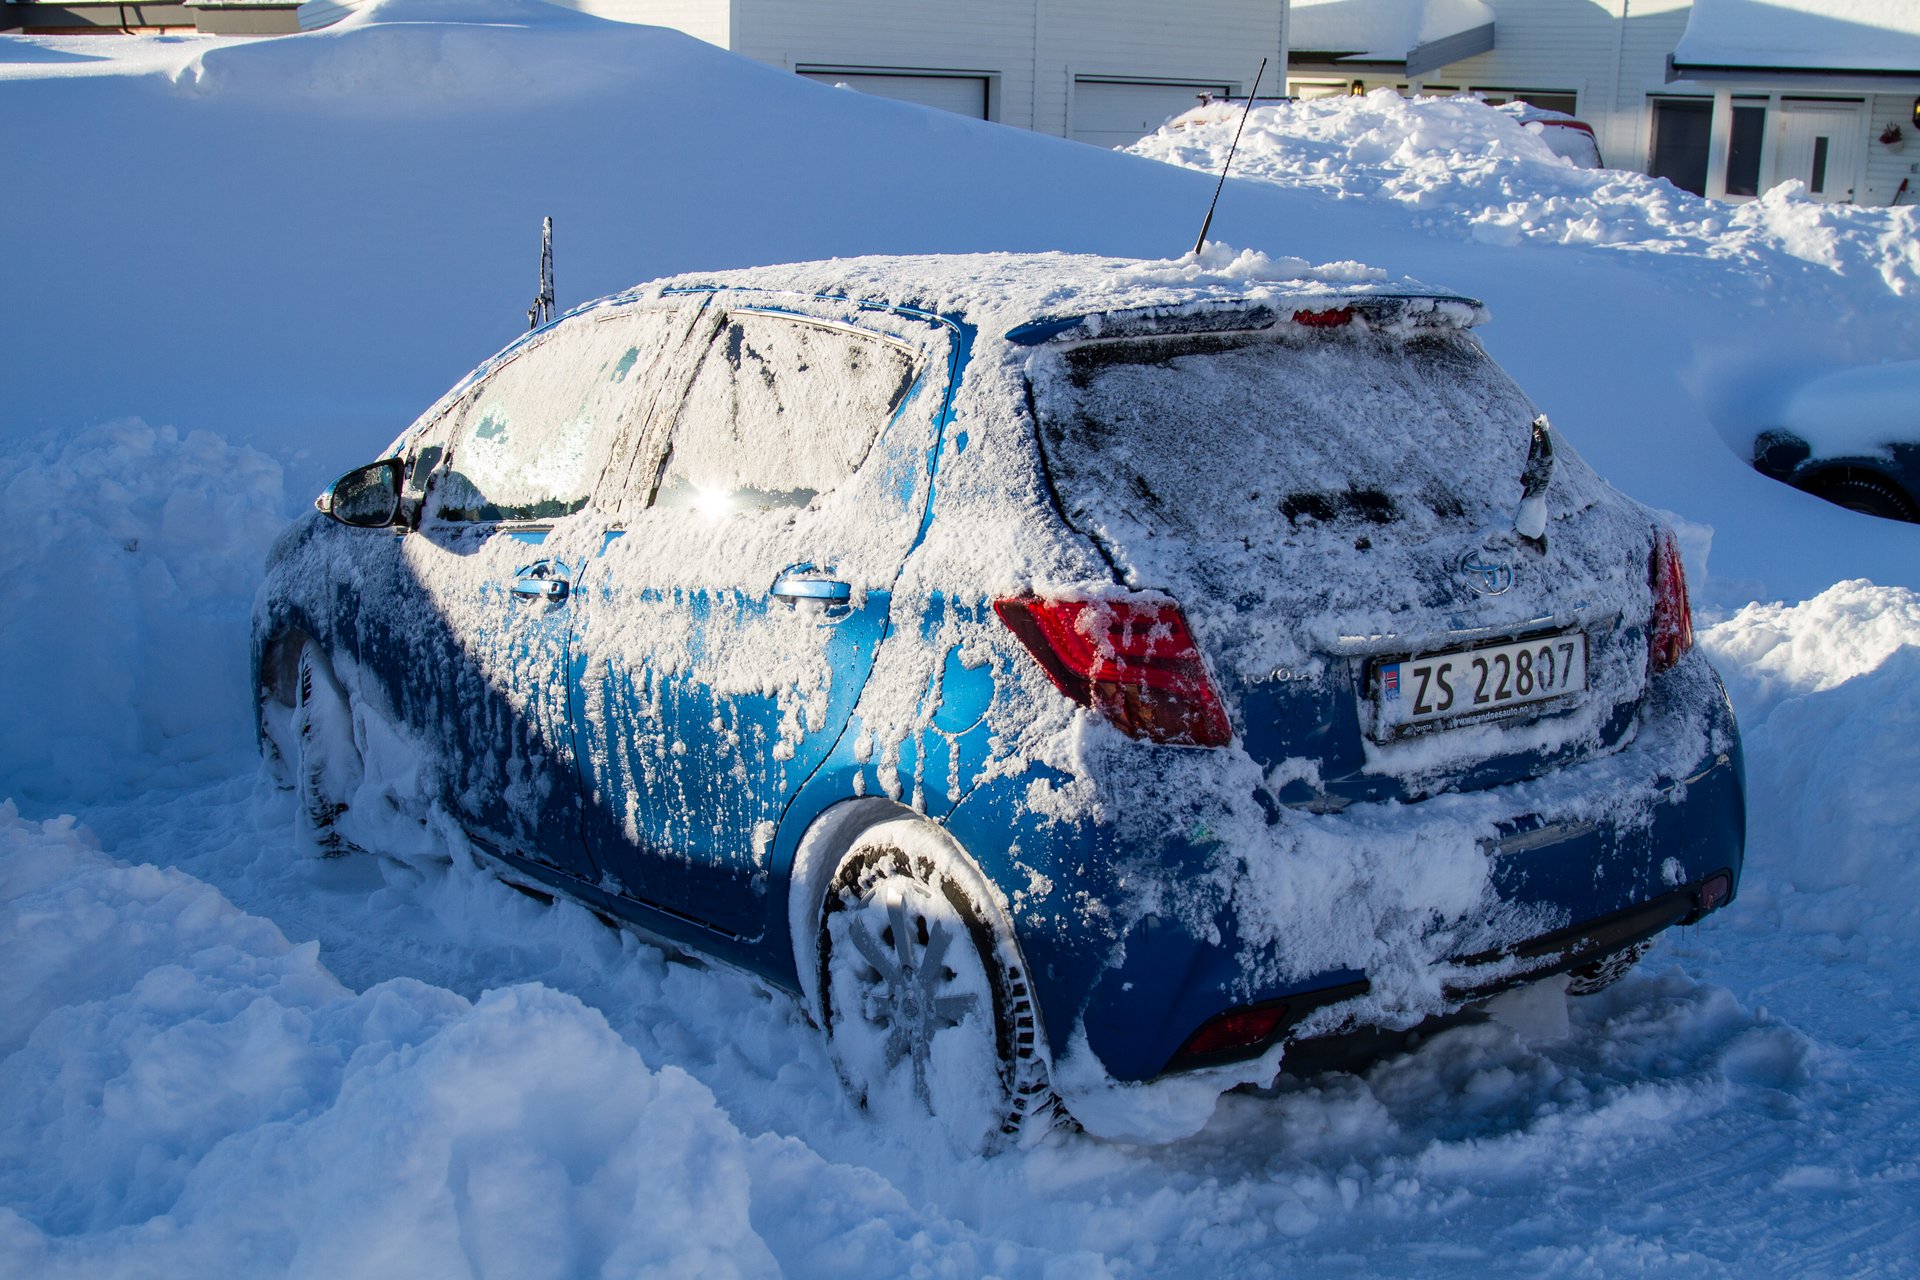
[[1324, 319], [1670, 631], [1236, 1029], [1133, 661]]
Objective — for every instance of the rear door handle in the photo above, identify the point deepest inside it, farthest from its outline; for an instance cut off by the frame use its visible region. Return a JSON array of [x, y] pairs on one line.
[[790, 585], [546, 580], [541, 588]]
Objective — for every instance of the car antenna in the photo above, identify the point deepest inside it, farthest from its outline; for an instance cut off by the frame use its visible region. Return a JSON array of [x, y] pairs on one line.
[[1201, 243], [541, 312]]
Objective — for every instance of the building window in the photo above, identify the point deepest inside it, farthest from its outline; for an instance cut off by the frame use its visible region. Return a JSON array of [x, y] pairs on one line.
[[1743, 157], [1564, 101]]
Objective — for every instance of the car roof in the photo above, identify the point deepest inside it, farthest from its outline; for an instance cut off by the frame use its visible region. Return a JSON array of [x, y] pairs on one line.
[[1033, 298]]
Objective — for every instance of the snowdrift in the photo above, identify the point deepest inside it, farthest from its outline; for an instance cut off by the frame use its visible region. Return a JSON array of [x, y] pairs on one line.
[[194, 1095]]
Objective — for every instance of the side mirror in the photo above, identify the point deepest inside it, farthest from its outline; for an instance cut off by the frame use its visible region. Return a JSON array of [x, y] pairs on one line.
[[365, 498]]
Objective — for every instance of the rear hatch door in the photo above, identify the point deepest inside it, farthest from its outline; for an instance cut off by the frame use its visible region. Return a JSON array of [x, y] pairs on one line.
[[1332, 504]]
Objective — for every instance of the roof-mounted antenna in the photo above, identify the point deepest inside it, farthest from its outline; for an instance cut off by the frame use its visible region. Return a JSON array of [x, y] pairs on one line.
[[1201, 243], [541, 312]]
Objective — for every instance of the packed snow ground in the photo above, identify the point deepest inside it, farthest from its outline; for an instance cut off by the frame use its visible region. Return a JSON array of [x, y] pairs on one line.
[[459, 1081]]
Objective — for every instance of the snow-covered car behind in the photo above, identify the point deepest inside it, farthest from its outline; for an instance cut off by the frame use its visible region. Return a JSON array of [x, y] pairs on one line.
[[1851, 437], [1570, 139], [1076, 679]]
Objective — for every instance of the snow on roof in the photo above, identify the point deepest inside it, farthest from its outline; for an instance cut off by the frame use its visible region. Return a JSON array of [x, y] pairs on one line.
[[999, 291], [1424, 34], [1877, 36]]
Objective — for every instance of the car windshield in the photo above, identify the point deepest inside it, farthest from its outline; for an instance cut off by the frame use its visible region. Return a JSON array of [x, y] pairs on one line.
[[1230, 437]]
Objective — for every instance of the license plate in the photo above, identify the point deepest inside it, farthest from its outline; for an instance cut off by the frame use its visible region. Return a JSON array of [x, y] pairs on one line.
[[1465, 684]]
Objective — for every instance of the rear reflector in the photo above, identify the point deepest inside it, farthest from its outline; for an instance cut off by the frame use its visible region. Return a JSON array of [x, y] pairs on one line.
[[1715, 892], [1234, 1030], [1670, 630], [1133, 661]]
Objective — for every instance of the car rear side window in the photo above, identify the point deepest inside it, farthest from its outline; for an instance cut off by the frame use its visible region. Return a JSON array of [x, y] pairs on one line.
[[535, 434], [782, 409]]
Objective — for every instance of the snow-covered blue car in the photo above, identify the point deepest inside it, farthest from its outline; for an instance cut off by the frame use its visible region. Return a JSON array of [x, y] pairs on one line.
[[1077, 680]]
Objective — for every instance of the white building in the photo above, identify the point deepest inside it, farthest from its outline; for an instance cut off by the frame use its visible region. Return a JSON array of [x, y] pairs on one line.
[[1103, 71], [1722, 97]]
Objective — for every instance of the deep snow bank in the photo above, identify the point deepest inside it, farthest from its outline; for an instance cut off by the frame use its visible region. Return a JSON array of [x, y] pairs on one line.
[[1828, 692], [133, 552], [191, 1095]]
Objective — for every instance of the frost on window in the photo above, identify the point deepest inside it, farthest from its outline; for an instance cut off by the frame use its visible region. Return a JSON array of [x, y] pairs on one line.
[[1237, 437], [780, 411], [535, 434]]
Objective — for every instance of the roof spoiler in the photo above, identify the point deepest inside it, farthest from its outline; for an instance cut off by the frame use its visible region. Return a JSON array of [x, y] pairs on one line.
[[1379, 310]]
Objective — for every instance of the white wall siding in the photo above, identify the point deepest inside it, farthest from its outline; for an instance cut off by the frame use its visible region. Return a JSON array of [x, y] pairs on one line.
[[1886, 169], [990, 37], [1033, 50], [1213, 44], [1652, 29], [709, 20]]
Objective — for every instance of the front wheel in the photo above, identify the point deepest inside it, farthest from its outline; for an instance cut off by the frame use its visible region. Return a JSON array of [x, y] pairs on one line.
[[924, 998], [326, 760]]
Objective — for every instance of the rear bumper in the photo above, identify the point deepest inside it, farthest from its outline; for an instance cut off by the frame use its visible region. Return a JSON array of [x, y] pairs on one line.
[[1599, 856], [1488, 973]]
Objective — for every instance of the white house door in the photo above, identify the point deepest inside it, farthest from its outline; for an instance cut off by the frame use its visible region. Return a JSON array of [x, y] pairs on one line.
[[1821, 144]]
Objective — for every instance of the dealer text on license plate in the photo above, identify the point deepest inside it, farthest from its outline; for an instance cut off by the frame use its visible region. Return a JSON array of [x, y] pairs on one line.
[[1468, 683]]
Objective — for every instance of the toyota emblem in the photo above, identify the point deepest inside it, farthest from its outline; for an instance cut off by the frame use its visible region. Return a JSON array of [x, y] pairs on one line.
[[1485, 574]]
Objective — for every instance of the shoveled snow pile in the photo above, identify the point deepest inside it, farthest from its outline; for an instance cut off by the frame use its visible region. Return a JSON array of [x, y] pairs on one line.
[[1829, 696], [225, 1057], [1472, 170]]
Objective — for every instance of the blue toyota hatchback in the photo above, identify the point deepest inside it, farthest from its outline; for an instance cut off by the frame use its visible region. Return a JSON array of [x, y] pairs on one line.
[[1077, 680]]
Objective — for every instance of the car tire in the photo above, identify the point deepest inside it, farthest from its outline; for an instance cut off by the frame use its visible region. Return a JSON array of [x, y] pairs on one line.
[[1598, 975], [1866, 493], [326, 764], [924, 997]]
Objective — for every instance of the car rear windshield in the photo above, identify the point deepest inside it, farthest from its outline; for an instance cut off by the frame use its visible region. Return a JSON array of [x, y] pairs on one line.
[[1238, 436]]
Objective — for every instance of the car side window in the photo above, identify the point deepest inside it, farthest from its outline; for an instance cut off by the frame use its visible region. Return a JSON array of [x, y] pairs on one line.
[[781, 410], [535, 434]]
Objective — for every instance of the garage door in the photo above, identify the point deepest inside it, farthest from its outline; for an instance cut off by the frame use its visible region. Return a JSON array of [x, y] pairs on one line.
[[1115, 113], [962, 95]]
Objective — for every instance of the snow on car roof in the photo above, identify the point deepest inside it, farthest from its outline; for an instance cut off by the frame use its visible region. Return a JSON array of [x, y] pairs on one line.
[[1003, 292]]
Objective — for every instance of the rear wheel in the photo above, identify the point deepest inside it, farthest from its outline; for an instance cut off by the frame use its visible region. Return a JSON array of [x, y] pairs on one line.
[[1866, 493], [924, 998]]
